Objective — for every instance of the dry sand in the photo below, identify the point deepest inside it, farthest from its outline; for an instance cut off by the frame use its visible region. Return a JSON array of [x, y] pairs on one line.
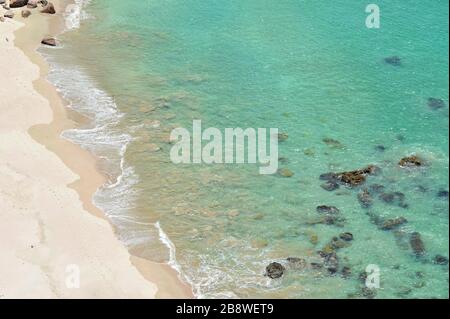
[[49, 228]]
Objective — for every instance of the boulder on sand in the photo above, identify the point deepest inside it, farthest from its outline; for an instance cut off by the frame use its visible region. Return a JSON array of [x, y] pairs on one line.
[[49, 9], [49, 41], [18, 3]]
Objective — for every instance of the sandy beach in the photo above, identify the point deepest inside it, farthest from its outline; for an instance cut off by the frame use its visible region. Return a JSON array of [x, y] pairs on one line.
[[54, 242]]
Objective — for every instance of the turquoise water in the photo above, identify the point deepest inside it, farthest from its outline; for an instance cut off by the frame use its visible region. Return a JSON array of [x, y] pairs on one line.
[[311, 69]]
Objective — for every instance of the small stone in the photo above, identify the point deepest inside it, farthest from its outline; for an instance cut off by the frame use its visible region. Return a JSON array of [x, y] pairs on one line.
[[49, 41], [26, 13], [275, 270], [9, 14]]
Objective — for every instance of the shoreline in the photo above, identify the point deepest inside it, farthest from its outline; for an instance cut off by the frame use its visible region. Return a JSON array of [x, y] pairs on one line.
[[162, 278]]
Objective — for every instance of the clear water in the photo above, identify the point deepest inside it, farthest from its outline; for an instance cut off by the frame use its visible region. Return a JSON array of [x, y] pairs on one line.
[[311, 69]]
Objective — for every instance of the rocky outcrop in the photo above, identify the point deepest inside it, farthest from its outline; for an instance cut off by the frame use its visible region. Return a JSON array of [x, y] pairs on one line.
[[275, 270], [351, 178], [411, 161]]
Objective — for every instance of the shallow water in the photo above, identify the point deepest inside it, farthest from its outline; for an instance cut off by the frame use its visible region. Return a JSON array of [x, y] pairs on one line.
[[309, 68]]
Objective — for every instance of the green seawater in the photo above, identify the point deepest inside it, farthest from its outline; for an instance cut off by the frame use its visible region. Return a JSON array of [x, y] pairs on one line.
[[313, 70]]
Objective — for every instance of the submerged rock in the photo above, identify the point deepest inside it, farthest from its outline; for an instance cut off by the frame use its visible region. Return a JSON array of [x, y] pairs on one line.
[[285, 172], [357, 177], [365, 199], [442, 194], [275, 270], [296, 263], [332, 263], [397, 198], [411, 161], [282, 137], [369, 293], [440, 260], [328, 177], [380, 148], [346, 236], [333, 143], [330, 186], [346, 272], [436, 104], [376, 188], [392, 223], [393, 60], [328, 209], [417, 244]]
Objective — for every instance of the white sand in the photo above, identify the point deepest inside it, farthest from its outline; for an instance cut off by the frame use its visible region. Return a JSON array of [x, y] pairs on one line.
[[44, 228]]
